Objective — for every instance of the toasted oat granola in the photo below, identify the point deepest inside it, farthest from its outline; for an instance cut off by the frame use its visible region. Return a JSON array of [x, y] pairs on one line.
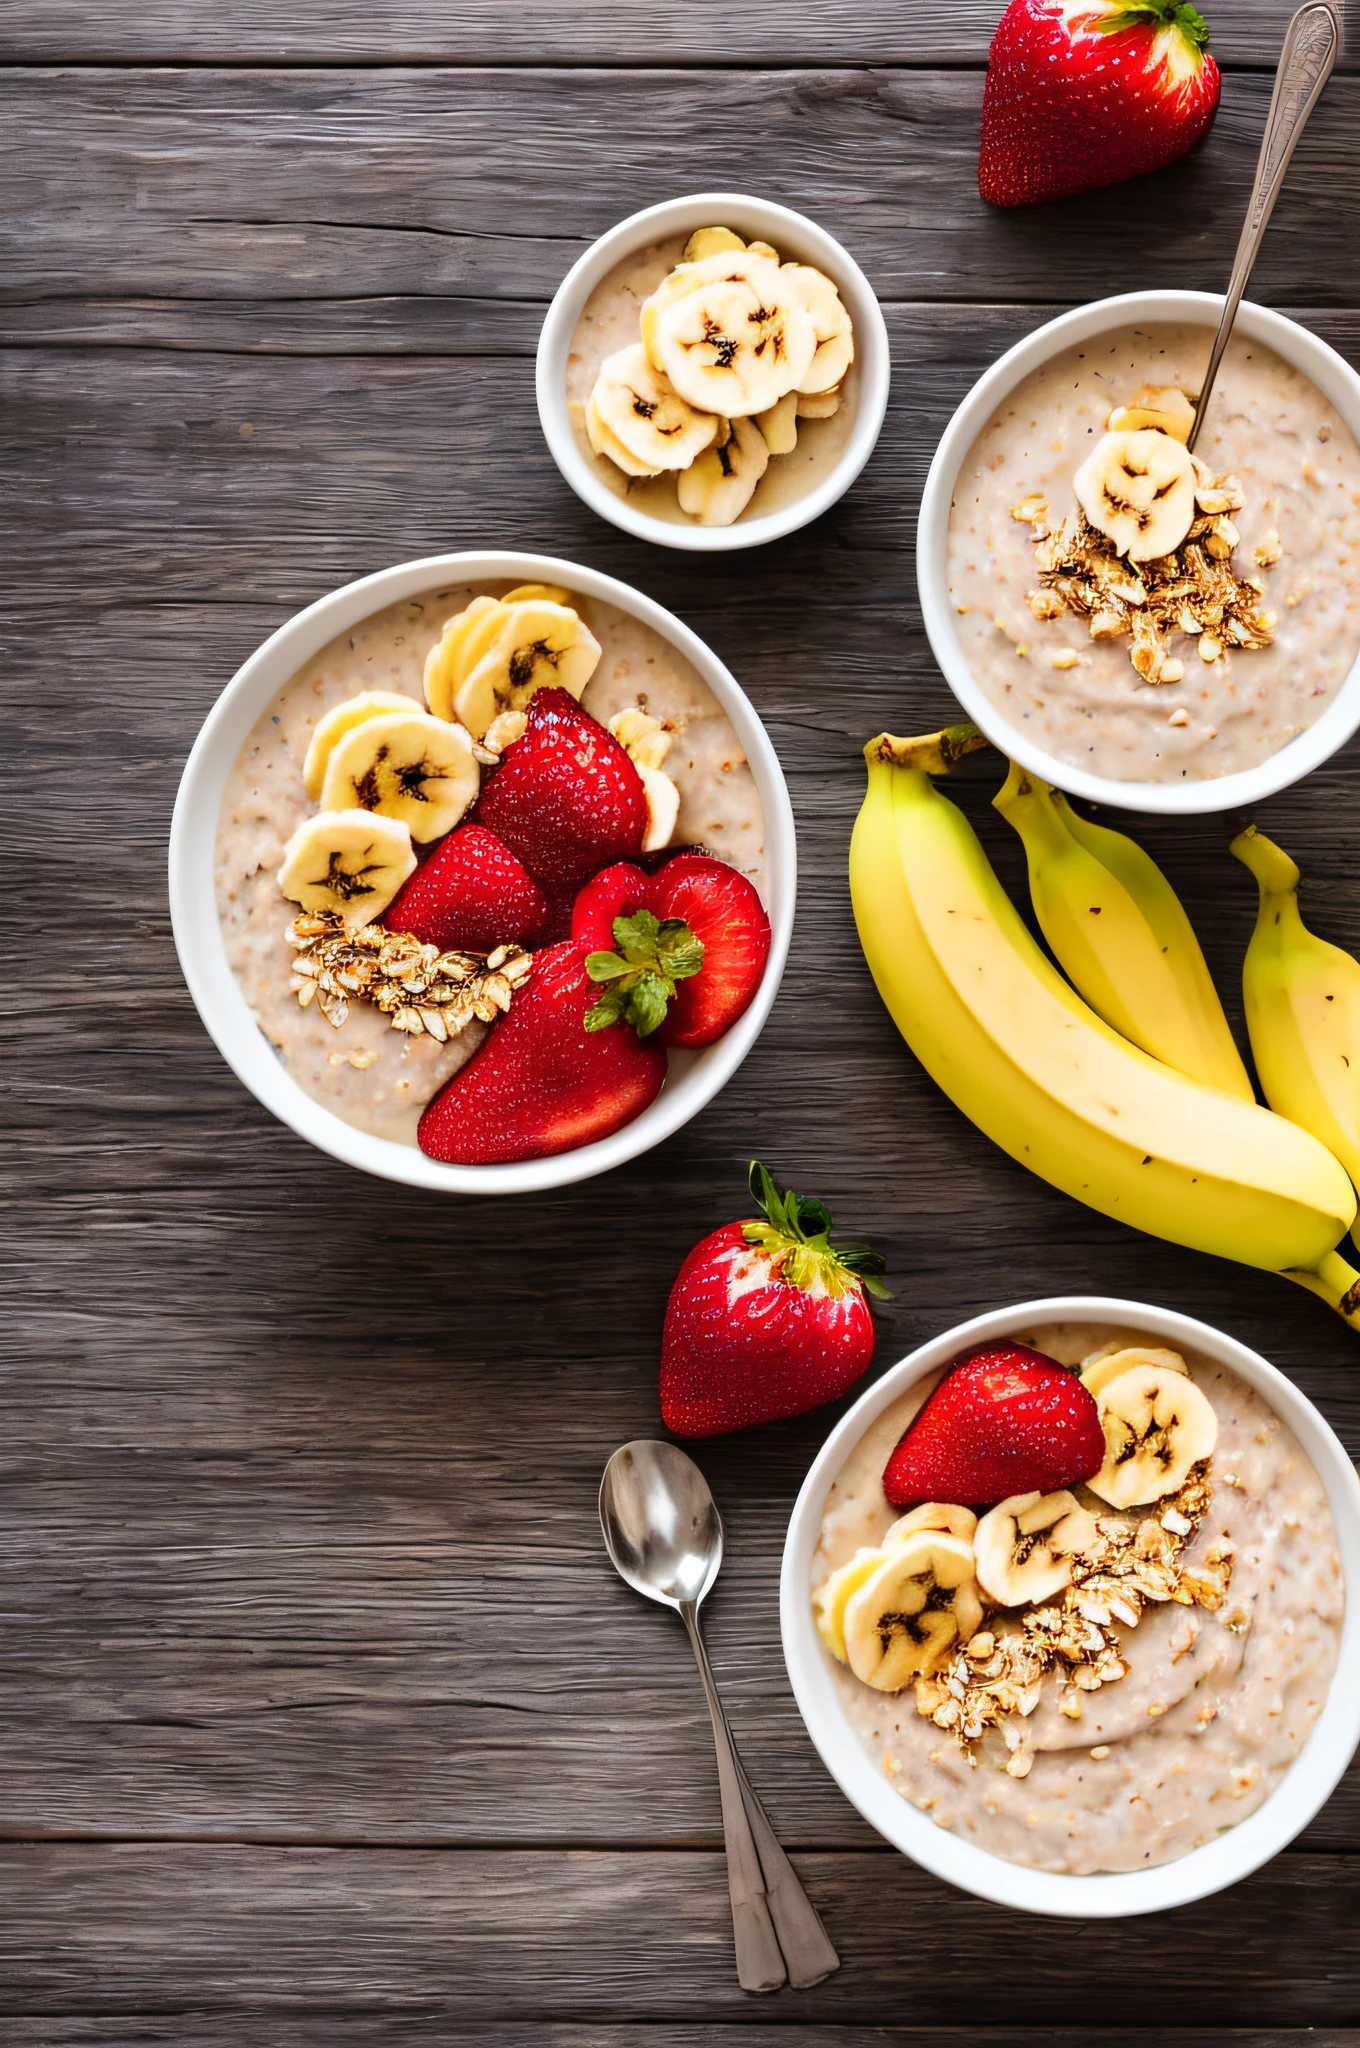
[[994, 1680], [417, 987], [1193, 590]]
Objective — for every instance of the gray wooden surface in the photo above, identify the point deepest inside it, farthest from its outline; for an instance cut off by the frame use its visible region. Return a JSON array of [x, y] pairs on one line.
[[322, 1719]]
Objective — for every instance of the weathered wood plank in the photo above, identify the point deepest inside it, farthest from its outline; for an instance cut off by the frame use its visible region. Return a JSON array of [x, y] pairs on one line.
[[330, 2028], [477, 1938], [478, 32], [484, 186]]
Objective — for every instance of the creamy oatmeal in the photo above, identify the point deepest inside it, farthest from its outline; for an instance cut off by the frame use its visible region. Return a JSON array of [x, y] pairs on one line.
[[1298, 465], [609, 322], [373, 1077], [1216, 1703]]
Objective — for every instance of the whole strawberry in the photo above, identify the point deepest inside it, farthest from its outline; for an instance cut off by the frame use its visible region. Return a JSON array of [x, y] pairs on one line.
[[565, 799], [767, 1318], [1003, 1420], [1085, 93]]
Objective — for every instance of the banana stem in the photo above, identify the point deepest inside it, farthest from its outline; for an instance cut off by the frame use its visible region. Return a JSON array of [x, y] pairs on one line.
[[1271, 865], [936, 752], [1334, 1282]]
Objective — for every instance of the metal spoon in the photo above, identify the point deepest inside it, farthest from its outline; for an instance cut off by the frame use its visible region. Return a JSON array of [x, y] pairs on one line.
[[1306, 60], [664, 1534]]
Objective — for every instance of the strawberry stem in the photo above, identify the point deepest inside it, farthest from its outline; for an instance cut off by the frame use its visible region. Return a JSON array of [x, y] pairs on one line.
[[797, 1231], [1177, 14], [653, 955]]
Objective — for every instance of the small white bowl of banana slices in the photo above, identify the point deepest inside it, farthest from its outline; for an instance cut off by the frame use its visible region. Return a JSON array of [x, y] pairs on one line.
[[713, 373], [927, 1805]]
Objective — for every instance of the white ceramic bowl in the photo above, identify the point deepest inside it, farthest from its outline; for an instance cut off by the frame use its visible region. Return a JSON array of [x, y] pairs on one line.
[[758, 220], [1332, 375], [694, 1078], [1310, 1780]]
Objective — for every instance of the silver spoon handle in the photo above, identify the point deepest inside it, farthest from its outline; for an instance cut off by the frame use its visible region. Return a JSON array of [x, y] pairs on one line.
[[807, 1948], [1306, 60], [760, 1963]]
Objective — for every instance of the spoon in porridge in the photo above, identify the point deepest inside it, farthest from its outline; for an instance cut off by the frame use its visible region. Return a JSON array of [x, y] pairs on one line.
[[1306, 60], [664, 1536]]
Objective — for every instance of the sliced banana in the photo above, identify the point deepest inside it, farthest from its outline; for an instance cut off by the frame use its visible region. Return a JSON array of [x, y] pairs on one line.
[[909, 1612], [1162, 407], [663, 807], [828, 1602], [607, 444], [1139, 490], [720, 483], [639, 409], [1158, 1426], [710, 242], [729, 333], [551, 593], [933, 1514], [780, 425], [819, 405], [764, 249], [536, 644], [1111, 1360], [459, 648], [334, 726], [643, 738], [505, 728], [408, 765], [1024, 1547], [352, 862], [830, 324]]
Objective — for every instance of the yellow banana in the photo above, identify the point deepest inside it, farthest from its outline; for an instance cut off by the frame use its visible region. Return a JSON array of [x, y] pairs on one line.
[[1022, 1055], [1120, 935], [1303, 1009]]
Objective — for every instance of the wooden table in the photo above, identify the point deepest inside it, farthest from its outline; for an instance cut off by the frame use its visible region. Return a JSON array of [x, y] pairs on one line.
[[324, 1718]]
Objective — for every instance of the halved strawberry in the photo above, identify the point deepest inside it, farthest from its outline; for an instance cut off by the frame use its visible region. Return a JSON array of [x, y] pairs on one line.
[[1005, 1419], [472, 893], [724, 912], [614, 892], [545, 1081], [566, 798]]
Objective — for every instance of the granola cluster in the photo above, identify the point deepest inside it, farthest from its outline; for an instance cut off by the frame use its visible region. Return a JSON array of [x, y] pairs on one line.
[[1193, 590], [417, 988], [994, 1680]]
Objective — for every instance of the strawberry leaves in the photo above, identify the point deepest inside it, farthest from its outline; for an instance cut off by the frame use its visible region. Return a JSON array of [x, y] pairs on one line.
[[653, 955], [1177, 14], [797, 1230]]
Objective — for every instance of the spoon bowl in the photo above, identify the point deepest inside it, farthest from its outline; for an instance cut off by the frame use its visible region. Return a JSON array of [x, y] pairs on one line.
[[661, 1524]]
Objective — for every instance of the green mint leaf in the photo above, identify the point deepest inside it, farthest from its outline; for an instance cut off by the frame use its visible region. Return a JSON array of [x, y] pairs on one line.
[[605, 966], [681, 953], [606, 1010], [647, 1001], [636, 936]]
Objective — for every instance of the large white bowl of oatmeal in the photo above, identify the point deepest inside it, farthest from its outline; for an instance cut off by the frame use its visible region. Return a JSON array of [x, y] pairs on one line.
[[1199, 680], [356, 1088], [1231, 1722], [596, 313]]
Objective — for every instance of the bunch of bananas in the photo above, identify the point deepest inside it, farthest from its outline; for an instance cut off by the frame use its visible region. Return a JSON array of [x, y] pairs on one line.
[[1121, 1084]]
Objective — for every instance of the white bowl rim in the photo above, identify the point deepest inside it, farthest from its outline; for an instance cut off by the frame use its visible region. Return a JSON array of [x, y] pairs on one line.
[[1310, 1779], [693, 1080], [771, 222], [1332, 375]]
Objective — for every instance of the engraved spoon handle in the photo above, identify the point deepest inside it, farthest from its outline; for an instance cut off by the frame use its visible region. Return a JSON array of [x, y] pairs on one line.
[[1306, 60]]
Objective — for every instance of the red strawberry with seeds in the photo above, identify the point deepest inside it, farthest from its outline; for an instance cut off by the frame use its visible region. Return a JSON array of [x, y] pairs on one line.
[[1084, 93], [614, 892], [471, 893], [1004, 1420], [723, 910], [566, 798], [544, 1081], [766, 1319]]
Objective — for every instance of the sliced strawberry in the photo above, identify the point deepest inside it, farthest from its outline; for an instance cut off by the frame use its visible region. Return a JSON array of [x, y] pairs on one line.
[[1004, 1420], [614, 892], [722, 909], [566, 798], [767, 1318], [1084, 93], [471, 892], [543, 1082]]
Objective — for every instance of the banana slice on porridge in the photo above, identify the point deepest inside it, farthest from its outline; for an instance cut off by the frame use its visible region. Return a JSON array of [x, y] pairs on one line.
[[406, 765], [730, 334], [909, 1613], [535, 646], [634, 405], [1111, 1360], [1025, 1546], [333, 727], [830, 324], [719, 484], [1139, 491], [349, 861], [1158, 1426]]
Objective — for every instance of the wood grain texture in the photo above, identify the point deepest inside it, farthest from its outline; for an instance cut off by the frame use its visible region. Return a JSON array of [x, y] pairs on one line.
[[332, 2027], [645, 32], [485, 187]]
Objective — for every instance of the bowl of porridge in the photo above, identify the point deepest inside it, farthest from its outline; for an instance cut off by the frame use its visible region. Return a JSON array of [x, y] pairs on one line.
[[1118, 1695], [261, 840], [1141, 626], [713, 373]]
